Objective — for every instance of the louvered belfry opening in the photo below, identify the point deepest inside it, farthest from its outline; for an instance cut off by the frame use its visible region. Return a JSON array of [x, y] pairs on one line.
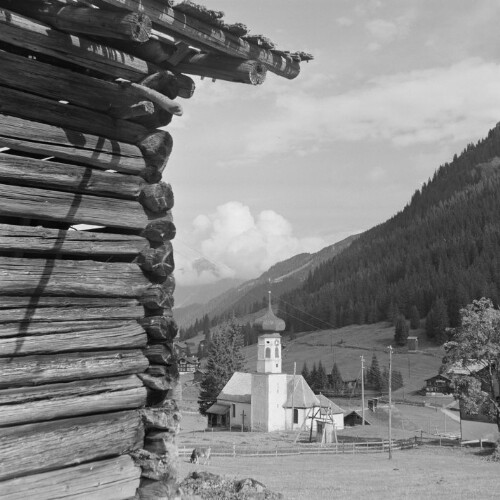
[[87, 373]]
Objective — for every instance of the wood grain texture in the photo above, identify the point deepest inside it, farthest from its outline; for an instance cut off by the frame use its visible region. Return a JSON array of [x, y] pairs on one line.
[[48, 402], [34, 137], [68, 277], [24, 171], [112, 479], [58, 84], [37, 37], [82, 243], [26, 449], [47, 369], [205, 36], [40, 109], [118, 335], [73, 208], [46, 309], [30, 325]]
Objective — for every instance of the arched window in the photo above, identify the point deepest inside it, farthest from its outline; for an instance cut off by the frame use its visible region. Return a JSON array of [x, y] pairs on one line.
[[268, 352], [277, 352], [295, 416]]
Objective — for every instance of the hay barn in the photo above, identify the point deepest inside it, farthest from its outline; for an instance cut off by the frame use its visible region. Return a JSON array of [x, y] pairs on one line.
[[87, 371]]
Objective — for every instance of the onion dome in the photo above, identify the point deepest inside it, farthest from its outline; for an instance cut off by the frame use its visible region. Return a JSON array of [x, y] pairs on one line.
[[269, 322]]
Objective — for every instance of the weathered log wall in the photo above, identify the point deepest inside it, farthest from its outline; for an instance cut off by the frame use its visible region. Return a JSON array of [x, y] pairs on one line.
[[87, 366], [86, 326]]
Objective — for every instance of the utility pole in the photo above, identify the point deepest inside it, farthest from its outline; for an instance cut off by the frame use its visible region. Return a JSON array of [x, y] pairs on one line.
[[362, 391], [293, 392], [390, 402]]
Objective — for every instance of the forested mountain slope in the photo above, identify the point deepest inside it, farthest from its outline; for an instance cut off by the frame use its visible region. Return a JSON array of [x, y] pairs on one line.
[[440, 252], [251, 296]]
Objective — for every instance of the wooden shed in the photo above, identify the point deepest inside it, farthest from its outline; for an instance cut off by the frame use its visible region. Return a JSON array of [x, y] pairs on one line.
[[87, 372]]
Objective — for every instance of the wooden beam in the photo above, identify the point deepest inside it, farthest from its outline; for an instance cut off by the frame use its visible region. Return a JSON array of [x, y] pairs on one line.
[[225, 68], [58, 84], [158, 353], [35, 309], [34, 137], [20, 201], [58, 368], [43, 110], [83, 243], [160, 327], [158, 296], [47, 402], [120, 335], [205, 36], [26, 328], [56, 277], [25, 171], [116, 478], [156, 148], [152, 95], [215, 66], [159, 262], [158, 198], [27, 449], [132, 26], [36, 37], [159, 230]]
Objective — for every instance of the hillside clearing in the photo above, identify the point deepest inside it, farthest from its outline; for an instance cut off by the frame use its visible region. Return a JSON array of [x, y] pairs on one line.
[[344, 346]]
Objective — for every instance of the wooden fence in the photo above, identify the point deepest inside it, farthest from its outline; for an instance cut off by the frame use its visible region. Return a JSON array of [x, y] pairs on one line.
[[314, 449]]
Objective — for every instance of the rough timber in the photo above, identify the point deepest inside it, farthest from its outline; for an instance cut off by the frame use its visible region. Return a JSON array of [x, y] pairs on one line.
[[87, 372]]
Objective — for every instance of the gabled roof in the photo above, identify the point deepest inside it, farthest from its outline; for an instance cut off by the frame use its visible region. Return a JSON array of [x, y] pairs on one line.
[[238, 389], [439, 375], [467, 369], [219, 409], [329, 404], [303, 396]]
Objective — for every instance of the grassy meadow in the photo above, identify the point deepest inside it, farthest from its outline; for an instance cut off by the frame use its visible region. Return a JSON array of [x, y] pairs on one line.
[[344, 346], [420, 473]]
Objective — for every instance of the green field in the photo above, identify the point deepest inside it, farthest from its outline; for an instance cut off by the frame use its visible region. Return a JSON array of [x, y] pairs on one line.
[[344, 346], [421, 473]]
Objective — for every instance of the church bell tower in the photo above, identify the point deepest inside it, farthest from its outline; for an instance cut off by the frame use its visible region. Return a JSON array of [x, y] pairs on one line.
[[269, 343]]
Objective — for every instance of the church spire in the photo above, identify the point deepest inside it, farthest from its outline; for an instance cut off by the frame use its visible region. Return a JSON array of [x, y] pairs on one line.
[[269, 322]]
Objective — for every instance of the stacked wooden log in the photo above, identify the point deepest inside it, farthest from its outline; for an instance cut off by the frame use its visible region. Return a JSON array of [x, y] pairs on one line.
[[86, 328], [87, 371]]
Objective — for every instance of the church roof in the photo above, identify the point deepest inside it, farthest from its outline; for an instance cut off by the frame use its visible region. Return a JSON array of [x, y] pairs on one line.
[[303, 396], [269, 322], [238, 389], [329, 404]]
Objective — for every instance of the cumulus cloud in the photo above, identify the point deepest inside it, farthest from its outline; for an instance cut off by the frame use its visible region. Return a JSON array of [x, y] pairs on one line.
[[236, 243], [454, 103]]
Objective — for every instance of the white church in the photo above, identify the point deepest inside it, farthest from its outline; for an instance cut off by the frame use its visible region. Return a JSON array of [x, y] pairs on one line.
[[268, 400]]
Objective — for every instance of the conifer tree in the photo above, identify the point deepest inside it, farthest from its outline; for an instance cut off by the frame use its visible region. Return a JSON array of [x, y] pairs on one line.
[[414, 318], [224, 358], [313, 378], [336, 382], [401, 331], [305, 373], [321, 378], [374, 376]]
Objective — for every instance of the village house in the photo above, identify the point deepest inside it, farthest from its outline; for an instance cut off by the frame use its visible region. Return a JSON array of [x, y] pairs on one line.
[[439, 384], [268, 400], [188, 364]]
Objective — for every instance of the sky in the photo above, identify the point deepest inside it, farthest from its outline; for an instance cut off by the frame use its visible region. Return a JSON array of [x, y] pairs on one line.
[[396, 88]]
